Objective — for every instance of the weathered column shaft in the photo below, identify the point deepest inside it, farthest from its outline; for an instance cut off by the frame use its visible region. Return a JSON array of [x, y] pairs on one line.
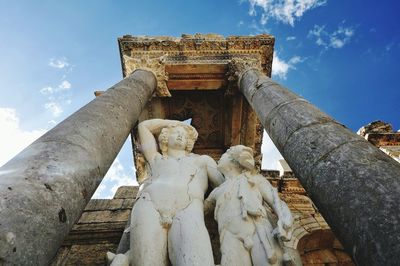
[[354, 185], [44, 189]]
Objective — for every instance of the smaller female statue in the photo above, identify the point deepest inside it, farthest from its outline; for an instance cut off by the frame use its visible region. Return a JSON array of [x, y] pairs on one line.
[[249, 233]]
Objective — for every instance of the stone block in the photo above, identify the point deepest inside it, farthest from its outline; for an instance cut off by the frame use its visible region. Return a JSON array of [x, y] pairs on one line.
[[80, 254], [126, 192], [104, 216]]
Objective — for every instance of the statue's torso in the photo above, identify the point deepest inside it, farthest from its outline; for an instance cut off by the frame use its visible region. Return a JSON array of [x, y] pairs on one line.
[[238, 204], [175, 183]]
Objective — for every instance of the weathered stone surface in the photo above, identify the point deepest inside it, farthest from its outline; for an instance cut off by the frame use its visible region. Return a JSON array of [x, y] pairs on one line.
[[354, 185], [319, 248], [81, 255], [98, 230], [114, 216], [375, 127], [384, 139], [45, 187], [381, 135], [126, 192]]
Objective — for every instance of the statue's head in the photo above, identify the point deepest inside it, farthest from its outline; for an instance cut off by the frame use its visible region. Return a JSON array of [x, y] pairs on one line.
[[239, 157], [180, 137]]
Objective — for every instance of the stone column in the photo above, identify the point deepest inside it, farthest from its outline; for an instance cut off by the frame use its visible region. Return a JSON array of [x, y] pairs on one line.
[[44, 189], [354, 185]]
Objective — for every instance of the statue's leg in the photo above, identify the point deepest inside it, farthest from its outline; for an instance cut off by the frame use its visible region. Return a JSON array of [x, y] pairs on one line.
[[188, 239], [148, 237], [233, 252], [265, 250], [120, 260]]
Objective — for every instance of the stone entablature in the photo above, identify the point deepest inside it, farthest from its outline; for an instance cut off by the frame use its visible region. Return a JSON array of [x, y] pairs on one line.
[[383, 136], [185, 62], [197, 71]]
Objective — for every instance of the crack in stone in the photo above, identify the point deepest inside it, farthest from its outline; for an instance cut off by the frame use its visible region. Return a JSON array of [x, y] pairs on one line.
[[274, 111], [332, 150], [329, 120], [192, 176]]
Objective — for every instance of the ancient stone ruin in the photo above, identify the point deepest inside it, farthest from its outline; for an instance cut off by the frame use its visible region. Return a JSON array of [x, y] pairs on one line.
[[334, 201]]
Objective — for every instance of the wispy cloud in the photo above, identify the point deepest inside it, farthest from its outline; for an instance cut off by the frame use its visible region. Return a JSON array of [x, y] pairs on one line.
[[54, 107], [257, 28], [47, 90], [115, 177], [389, 46], [60, 63], [13, 138], [336, 39], [280, 68], [63, 86], [290, 38], [285, 11], [56, 96]]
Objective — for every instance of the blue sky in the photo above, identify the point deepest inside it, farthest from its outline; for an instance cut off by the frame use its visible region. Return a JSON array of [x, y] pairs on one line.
[[343, 56]]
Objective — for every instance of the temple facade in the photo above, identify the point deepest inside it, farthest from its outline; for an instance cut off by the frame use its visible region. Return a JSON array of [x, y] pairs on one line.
[[341, 188]]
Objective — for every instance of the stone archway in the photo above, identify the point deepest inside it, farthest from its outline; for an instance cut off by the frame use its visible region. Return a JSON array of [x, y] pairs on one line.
[[321, 247]]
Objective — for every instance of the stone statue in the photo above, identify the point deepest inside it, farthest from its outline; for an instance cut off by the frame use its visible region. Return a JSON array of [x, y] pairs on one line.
[[167, 221], [249, 233]]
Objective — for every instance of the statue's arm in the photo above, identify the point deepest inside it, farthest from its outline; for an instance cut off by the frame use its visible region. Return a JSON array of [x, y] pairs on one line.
[[271, 196], [146, 130], [266, 190], [214, 175], [210, 201]]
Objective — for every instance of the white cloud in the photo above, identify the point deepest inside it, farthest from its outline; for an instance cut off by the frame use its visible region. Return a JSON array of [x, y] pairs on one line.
[[13, 139], [280, 68], [56, 99], [285, 11], [318, 32], [52, 123], [47, 90], [257, 28], [340, 37], [58, 62], [295, 60], [115, 177], [63, 86], [290, 38], [54, 107], [336, 39], [271, 155]]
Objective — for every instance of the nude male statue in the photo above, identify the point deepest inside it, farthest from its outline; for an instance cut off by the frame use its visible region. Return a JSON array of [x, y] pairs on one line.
[[167, 222], [248, 233]]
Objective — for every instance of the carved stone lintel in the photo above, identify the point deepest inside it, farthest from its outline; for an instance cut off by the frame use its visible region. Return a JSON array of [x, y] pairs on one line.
[[153, 64]]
